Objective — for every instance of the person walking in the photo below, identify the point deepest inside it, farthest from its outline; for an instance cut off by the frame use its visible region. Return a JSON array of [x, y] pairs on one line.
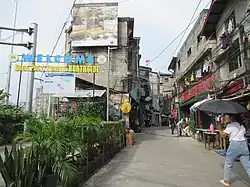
[[172, 125], [238, 147]]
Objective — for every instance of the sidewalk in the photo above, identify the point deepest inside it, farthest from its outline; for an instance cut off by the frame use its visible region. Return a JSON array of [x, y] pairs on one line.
[[161, 160]]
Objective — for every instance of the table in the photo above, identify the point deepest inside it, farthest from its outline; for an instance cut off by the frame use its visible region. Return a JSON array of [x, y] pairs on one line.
[[209, 138], [201, 134], [221, 141]]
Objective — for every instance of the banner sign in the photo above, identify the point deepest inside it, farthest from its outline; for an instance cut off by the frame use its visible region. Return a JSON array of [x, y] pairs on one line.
[[201, 86], [59, 83], [59, 63], [69, 68], [95, 24]]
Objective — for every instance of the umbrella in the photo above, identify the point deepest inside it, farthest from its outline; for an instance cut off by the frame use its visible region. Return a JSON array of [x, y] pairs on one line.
[[196, 105], [219, 106]]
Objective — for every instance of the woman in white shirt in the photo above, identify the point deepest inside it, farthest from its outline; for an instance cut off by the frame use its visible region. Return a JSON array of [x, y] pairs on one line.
[[238, 147]]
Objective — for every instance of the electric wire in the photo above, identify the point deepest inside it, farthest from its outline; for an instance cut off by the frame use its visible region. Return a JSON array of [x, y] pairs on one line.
[[54, 47], [217, 47], [58, 39], [12, 4], [163, 51], [60, 35], [63, 27], [183, 35]]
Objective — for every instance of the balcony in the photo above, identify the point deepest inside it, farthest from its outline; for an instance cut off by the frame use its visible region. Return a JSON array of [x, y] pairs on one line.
[[202, 51], [225, 43]]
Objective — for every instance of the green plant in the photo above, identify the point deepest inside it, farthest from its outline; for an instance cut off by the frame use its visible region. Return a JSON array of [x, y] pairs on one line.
[[50, 147], [86, 107], [11, 122], [18, 168]]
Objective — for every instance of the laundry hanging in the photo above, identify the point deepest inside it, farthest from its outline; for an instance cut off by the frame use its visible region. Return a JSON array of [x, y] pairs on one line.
[[224, 41]]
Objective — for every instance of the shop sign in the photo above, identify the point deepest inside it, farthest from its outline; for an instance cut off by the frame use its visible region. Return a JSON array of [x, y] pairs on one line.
[[49, 68], [71, 63], [234, 87], [200, 87], [126, 108]]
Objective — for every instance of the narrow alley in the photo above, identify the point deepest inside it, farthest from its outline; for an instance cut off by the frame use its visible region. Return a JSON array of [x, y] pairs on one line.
[[161, 160]]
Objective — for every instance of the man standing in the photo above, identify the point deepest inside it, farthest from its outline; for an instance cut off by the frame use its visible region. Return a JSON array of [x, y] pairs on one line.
[[172, 124]]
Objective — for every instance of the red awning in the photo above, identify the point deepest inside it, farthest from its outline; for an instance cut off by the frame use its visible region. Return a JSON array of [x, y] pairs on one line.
[[213, 16]]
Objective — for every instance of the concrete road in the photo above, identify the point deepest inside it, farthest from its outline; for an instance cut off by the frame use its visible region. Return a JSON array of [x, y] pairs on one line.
[[161, 160]]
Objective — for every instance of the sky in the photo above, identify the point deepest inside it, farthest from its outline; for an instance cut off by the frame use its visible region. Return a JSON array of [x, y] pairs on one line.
[[157, 22]]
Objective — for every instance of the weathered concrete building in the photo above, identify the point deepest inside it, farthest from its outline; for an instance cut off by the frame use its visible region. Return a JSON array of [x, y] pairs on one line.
[[192, 63], [166, 84], [154, 79], [214, 59], [121, 58], [166, 90], [230, 27]]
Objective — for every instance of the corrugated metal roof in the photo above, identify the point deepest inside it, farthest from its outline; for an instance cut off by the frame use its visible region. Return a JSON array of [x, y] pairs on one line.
[[81, 93]]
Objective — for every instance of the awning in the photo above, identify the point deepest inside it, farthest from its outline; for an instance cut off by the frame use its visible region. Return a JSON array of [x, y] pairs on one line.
[[195, 99], [213, 17], [237, 97], [197, 104]]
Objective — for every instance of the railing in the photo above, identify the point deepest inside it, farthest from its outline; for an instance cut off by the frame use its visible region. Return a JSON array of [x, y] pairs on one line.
[[203, 47]]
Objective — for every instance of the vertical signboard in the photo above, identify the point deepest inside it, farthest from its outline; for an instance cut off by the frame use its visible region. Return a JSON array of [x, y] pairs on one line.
[[59, 83], [95, 24]]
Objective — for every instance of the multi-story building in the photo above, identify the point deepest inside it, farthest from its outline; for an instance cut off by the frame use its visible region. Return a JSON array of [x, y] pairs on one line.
[[166, 89], [214, 59], [230, 28], [119, 60], [154, 79], [191, 66], [166, 84]]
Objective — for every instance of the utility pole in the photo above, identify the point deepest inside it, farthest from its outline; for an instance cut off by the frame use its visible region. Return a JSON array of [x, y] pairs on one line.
[[11, 52], [32, 73], [108, 79], [19, 83]]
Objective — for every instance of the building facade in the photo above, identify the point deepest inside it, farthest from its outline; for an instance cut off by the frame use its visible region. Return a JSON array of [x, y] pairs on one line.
[[119, 61], [154, 79], [214, 59]]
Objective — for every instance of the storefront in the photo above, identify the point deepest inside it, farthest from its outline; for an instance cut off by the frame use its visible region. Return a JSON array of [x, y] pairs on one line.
[[201, 90], [197, 92], [237, 92]]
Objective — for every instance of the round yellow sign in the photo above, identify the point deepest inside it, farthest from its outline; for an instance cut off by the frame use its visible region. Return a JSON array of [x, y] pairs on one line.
[[126, 108]]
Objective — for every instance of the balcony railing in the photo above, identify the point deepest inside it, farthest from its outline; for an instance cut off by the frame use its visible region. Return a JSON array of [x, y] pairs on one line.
[[193, 59]]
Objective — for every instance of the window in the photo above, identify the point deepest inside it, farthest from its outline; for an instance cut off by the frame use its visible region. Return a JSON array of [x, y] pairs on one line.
[[189, 52], [199, 38], [230, 23], [235, 63], [166, 80]]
